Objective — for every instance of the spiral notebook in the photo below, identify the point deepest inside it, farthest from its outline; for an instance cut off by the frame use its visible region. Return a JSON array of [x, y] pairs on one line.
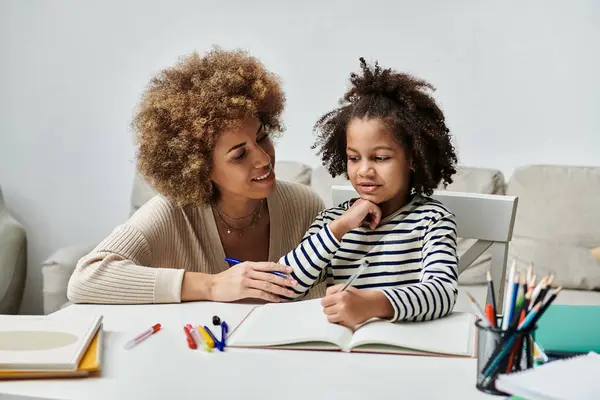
[[571, 378]]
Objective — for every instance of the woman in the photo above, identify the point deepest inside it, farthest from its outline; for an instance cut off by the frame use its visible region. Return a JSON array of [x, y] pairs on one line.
[[205, 129]]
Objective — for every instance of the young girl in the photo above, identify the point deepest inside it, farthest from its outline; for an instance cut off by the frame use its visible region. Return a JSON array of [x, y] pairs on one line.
[[390, 139]]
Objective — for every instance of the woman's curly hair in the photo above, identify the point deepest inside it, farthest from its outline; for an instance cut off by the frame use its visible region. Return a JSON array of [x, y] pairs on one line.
[[417, 123], [186, 107]]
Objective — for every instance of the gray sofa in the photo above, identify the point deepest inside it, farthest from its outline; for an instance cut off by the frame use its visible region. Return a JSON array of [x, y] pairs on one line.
[[13, 261], [557, 226]]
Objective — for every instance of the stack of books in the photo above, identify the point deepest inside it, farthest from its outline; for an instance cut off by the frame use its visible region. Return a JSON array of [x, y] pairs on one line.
[[33, 347]]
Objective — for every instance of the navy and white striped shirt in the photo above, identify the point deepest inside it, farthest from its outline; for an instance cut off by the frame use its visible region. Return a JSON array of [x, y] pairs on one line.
[[412, 258]]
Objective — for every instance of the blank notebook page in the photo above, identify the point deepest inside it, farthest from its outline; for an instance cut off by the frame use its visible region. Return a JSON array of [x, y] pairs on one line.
[[573, 378], [452, 334], [284, 323]]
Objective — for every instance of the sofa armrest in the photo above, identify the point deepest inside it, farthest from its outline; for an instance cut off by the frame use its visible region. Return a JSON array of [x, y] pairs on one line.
[[56, 271], [13, 263]]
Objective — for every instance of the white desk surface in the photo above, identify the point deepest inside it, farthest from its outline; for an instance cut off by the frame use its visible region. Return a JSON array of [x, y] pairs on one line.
[[163, 366]]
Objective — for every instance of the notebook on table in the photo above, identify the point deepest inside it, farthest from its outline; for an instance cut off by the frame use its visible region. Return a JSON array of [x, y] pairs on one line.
[[45, 343], [571, 378], [569, 330], [90, 364], [303, 326]]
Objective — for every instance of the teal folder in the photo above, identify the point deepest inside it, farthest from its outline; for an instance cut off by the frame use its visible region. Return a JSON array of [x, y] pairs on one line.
[[569, 329]]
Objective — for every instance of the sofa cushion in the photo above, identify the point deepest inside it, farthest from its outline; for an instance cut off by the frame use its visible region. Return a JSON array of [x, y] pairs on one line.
[[293, 172], [574, 266], [56, 272], [558, 204], [558, 222], [477, 180]]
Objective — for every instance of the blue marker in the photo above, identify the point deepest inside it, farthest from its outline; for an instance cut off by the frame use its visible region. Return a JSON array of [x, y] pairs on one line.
[[218, 344], [224, 331], [234, 261]]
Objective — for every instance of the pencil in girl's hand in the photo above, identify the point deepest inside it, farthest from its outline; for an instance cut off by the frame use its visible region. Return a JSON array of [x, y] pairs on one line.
[[479, 312], [490, 306], [363, 265]]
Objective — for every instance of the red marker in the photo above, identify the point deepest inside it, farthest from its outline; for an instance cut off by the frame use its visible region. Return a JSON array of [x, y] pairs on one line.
[[142, 336], [190, 340]]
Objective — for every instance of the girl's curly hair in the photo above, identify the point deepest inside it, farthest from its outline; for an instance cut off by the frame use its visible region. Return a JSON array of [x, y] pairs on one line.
[[186, 107], [412, 115]]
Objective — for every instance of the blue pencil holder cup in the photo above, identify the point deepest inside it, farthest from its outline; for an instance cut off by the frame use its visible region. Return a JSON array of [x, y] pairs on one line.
[[490, 342]]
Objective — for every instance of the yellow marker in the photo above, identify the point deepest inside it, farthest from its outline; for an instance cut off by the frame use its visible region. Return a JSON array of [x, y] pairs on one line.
[[203, 342], [209, 344]]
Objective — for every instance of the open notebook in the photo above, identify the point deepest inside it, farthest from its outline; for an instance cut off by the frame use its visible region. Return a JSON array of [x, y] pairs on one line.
[[303, 326]]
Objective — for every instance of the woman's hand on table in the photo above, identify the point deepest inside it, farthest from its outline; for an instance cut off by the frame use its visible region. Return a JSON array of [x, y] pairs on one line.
[[245, 280]]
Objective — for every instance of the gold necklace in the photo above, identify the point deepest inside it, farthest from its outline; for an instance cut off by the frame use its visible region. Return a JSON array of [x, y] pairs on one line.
[[256, 214], [239, 218]]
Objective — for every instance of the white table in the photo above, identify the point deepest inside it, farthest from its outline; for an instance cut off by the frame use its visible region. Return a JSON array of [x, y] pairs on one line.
[[163, 366]]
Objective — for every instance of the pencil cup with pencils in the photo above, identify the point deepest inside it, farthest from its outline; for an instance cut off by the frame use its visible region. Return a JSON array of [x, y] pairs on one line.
[[506, 343], [501, 352]]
